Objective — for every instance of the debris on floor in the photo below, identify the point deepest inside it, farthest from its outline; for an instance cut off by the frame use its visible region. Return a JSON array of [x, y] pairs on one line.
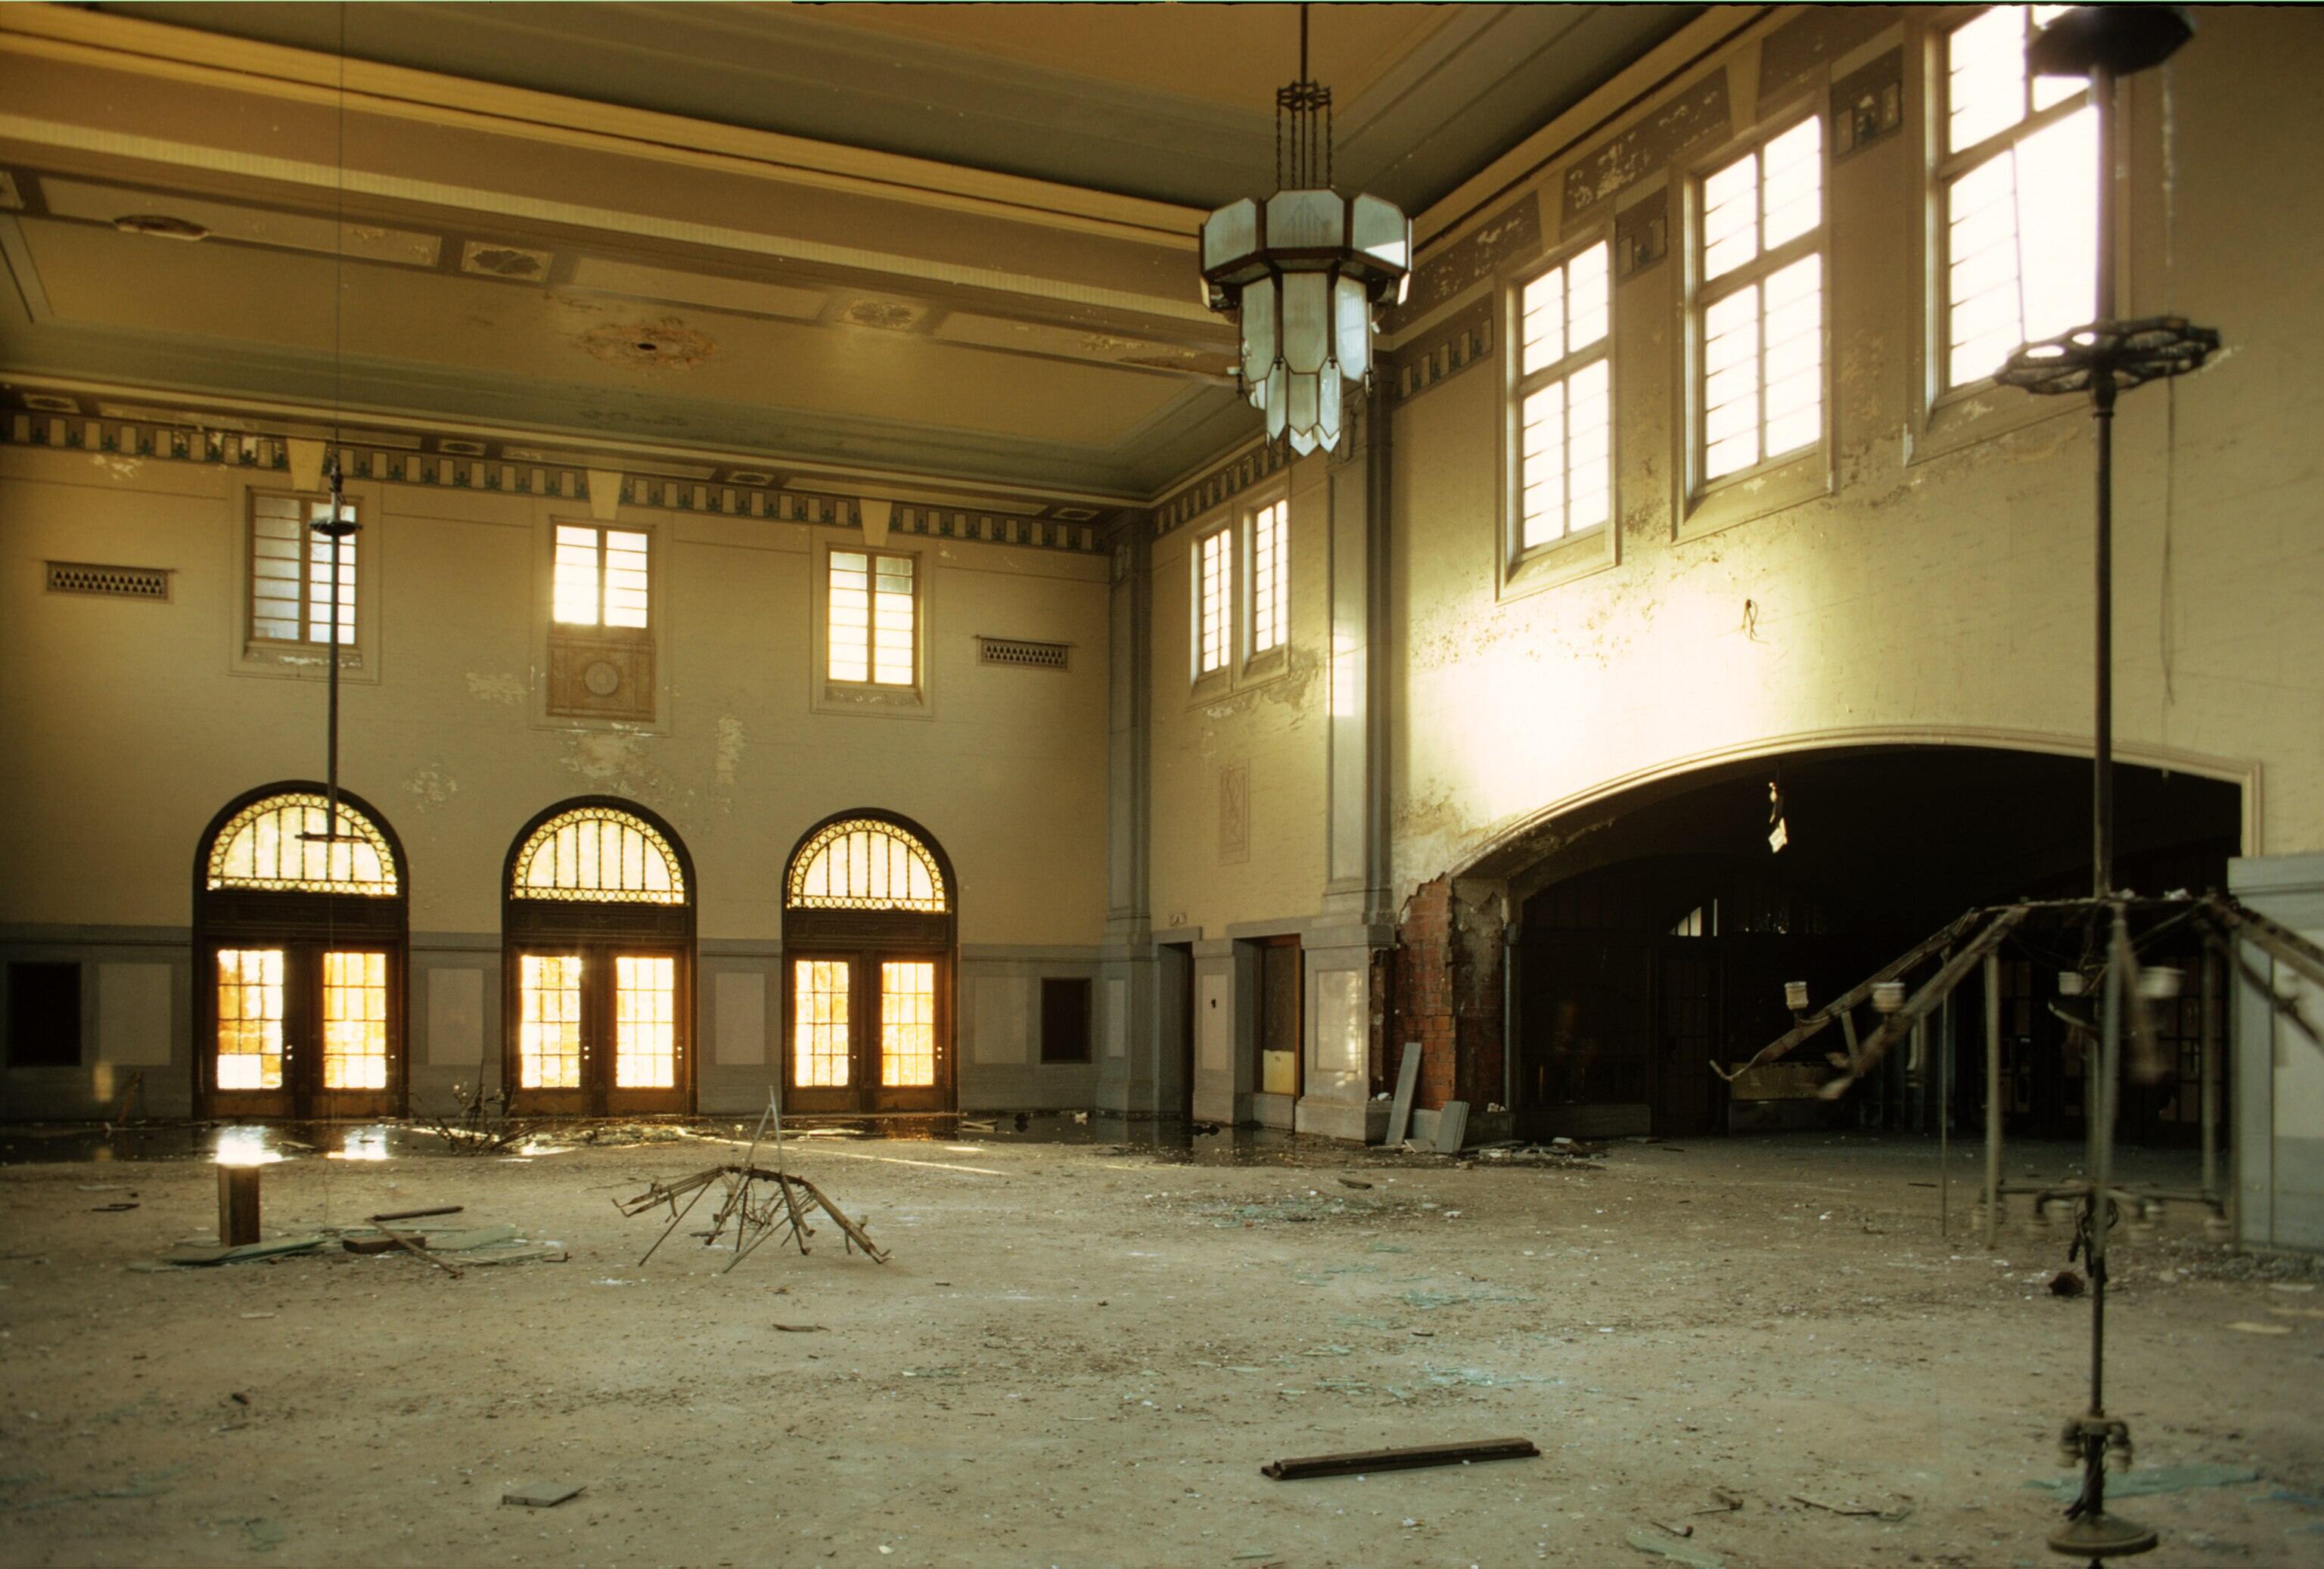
[[541, 1495], [1362, 1461], [1694, 1557], [755, 1215], [2141, 1481]]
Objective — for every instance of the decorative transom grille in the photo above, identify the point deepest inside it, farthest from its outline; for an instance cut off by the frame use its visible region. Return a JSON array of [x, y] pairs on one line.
[[598, 855], [1017, 651], [865, 863], [281, 845], [115, 582]]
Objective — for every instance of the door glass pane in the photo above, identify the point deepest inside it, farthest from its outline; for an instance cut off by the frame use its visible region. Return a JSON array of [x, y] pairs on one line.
[[645, 1022], [907, 1024], [819, 1023], [354, 1022], [548, 1028], [250, 1019]]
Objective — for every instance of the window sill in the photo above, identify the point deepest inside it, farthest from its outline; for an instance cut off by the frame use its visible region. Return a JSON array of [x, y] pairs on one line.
[[303, 662], [1981, 411], [1271, 665], [871, 700], [1547, 566], [1758, 492]]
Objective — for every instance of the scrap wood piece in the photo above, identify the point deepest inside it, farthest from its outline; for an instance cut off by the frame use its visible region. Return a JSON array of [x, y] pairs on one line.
[[1412, 1458], [414, 1248], [418, 1214], [541, 1495], [804, 1328], [1854, 1511], [1680, 1552]]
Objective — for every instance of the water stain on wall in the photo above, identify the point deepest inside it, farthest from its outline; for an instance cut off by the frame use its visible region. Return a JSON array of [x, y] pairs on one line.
[[431, 787]]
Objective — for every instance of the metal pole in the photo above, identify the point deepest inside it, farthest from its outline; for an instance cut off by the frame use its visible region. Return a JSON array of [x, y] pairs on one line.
[[1945, 1121], [331, 756], [2102, 393], [2210, 1078], [1992, 1097]]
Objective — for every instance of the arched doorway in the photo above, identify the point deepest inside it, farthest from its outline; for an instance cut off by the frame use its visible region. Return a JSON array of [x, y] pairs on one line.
[[597, 937], [867, 913], [299, 930], [1660, 941]]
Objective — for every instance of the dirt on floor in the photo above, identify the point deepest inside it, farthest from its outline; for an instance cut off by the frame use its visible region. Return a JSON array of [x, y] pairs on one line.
[[1739, 1352]]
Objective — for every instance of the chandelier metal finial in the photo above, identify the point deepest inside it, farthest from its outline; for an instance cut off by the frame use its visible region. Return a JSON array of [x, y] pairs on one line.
[[1304, 271]]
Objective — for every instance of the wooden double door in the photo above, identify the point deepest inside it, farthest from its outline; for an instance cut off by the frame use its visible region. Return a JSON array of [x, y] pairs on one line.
[[301, 1028], [602, 1027], [869, 1030]]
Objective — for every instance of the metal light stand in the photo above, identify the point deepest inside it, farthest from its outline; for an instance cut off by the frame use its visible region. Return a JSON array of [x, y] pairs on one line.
[[2105, 43], [336, 527]]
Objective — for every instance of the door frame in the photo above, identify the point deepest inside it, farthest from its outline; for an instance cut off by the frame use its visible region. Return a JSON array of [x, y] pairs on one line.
[[863, 938], [599, 931], [865, 1095], [305, 926]]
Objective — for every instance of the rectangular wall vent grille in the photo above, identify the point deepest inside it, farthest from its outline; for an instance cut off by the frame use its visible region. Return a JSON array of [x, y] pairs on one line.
[[115, 582], [1017, 651]]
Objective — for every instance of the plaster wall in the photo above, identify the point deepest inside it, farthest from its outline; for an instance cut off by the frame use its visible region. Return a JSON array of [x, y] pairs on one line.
[[128, 726], [1935, 582], [1270, 725]]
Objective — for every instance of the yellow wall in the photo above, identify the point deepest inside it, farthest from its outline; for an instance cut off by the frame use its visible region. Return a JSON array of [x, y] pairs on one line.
[[125, 728]]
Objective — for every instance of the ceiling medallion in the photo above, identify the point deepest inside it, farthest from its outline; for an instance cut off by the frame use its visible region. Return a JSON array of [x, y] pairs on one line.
[[1304, 269]]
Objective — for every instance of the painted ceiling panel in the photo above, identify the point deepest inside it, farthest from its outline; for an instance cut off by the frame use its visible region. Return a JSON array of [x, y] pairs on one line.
[[1170, 102], [105, 204], [100, 277]]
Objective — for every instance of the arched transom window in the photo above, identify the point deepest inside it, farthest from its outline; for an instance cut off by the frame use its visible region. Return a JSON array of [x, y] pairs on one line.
[[865, 863], [598, 855], [285, 844]]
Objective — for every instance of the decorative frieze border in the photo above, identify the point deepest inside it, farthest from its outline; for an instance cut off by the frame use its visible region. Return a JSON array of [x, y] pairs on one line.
[[270, 455], [1452, 346], [1236, 475]]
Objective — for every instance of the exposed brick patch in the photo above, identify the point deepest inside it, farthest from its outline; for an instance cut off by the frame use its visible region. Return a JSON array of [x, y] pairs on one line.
[[1448, 994]]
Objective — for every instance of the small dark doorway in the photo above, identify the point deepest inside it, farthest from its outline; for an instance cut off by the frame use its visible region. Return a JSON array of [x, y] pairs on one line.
[[597, 929], [300, 932], [868, 944]]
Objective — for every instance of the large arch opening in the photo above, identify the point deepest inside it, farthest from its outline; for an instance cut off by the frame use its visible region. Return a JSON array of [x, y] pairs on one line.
[[869, 911], [301, 928], [597, 934], [1660, 941]]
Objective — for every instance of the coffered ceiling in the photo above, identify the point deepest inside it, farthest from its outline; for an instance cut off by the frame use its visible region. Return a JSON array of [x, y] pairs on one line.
[[942, 244]]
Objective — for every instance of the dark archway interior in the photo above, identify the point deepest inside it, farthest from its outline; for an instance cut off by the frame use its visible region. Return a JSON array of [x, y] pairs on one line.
[[1661, 941]]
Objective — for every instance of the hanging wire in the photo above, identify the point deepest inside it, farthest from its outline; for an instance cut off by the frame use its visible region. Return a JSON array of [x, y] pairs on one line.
[[2167, 643]]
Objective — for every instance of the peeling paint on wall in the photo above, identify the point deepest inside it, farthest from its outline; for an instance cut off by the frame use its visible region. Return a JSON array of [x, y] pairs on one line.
[[431, 787], [616, 762], [507, 689], [729, 753]]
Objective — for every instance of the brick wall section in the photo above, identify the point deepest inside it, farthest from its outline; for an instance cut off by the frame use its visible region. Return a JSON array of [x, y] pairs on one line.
[[1448, 994]]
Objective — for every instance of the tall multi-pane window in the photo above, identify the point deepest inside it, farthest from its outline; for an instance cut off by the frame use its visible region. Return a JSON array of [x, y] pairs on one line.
[[1213, 601], [291, 571], [1759, 296], [2018, 193], [1270, 577], [1565, 434], [873, 619], [601, 576]]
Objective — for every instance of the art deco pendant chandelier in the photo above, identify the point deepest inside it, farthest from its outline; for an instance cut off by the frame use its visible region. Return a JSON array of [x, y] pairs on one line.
[[1305, 269]]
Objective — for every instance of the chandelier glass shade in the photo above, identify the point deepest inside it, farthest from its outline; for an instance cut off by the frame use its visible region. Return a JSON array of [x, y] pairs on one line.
[[1305, 269]]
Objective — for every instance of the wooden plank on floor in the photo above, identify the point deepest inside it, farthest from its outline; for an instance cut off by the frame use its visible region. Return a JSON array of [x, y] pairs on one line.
[[1407, 1080]]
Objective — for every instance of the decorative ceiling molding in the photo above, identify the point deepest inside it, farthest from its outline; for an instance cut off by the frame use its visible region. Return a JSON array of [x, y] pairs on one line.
[[268, 454], [190, 54]]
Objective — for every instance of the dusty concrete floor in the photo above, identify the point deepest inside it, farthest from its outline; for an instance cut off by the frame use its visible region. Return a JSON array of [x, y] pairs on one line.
[[1081, 1355]]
